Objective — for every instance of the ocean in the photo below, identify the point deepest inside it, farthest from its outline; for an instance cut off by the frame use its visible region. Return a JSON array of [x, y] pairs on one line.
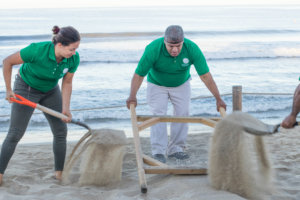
[[256, 47]]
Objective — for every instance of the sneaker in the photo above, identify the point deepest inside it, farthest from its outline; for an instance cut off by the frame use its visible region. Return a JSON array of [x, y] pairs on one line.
[[179, 155], [160, 158]]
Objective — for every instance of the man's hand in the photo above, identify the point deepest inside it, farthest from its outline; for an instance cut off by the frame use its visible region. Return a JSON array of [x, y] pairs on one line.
[[220, 103], [131, 100], [288, 122]]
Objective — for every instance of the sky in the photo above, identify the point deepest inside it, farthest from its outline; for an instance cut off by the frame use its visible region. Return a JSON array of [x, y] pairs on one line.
[[9, 4]]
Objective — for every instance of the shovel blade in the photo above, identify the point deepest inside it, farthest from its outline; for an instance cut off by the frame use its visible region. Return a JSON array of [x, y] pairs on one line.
[[267, 130]]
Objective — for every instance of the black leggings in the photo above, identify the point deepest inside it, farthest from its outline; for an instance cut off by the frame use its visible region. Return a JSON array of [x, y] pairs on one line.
[[20, 116]]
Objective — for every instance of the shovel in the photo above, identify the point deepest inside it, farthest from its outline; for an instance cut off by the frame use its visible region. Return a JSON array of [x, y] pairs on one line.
[[24, 101], [263, 129], [268, 130]]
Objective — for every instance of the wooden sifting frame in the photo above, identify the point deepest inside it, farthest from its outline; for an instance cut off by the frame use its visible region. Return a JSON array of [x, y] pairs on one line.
[[154, 166]]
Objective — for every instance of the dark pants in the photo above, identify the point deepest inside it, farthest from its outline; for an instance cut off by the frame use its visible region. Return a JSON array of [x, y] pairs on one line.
[[20, 116]]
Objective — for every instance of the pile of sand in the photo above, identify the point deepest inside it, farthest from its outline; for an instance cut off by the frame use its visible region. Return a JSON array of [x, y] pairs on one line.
[[98, 161]]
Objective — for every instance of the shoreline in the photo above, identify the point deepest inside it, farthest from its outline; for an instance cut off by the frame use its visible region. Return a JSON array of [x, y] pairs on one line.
[[33, 136]]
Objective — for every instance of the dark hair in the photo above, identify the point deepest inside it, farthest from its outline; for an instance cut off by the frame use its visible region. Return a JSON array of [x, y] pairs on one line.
[[174, 34], [65, 35]]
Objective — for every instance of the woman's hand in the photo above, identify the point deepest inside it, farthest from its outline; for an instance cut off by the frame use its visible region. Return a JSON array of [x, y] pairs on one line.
[[68, 114], [9, 94]]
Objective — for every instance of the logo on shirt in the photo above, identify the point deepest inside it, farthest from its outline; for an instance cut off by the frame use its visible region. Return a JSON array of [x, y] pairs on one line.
[[185, 62]]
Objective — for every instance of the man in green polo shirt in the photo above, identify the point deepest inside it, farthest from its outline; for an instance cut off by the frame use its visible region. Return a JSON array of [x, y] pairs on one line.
[[167, 63], [290, 120]]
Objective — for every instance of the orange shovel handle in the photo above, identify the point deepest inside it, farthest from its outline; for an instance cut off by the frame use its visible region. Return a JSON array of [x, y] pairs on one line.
[[23, 101]]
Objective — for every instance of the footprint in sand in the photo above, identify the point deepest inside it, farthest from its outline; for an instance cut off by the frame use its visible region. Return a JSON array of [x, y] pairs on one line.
[[17, 188]]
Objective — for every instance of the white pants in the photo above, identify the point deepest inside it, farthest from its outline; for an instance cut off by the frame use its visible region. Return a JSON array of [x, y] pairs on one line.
[[157, 99]]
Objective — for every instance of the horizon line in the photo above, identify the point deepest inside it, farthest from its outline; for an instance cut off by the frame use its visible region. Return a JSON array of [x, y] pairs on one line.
[[147, 6]]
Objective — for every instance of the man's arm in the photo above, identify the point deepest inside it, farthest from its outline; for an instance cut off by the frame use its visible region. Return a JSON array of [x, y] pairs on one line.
[[136, 83], [212, 87], [290, 120]]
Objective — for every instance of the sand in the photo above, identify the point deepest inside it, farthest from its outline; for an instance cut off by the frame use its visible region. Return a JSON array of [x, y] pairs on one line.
[[239, 162], [30, 174]]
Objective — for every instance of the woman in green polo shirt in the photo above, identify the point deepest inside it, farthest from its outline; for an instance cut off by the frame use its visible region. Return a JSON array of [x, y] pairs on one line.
[[43, 64]]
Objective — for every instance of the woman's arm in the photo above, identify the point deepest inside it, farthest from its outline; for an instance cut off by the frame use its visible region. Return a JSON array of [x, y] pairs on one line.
[[66, 92], [8, 63]]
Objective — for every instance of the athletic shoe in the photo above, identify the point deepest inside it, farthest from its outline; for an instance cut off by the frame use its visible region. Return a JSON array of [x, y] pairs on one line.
[[179, 155], [160, 158]]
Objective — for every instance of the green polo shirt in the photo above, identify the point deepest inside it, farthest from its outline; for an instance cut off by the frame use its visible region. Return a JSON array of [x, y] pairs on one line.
[[40, 69], [168, 71]]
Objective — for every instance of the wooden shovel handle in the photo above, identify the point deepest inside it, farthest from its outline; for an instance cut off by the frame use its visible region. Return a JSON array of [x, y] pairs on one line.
[[222, 111], [51, 112], [61, 116]]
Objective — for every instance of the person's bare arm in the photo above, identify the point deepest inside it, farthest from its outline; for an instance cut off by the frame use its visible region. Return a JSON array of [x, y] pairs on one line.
[[8, 63], [212, 87], [290, 120], [136, 83], [66, 92]]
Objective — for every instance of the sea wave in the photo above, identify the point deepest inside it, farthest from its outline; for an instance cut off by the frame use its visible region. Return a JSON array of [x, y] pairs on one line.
[[150, 34], [254, 58], [244, 58], [116, 114], [24, 37], [87, 62]]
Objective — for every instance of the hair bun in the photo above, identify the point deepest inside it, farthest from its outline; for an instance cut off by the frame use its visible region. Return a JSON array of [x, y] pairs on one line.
[[55, 30]]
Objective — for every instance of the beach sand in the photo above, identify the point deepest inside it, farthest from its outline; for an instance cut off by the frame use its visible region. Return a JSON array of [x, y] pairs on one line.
[[30, 174]]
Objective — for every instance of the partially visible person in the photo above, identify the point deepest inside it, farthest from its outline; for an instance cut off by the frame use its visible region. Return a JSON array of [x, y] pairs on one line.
[[43, 64], [290, 120], [166, 62]]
